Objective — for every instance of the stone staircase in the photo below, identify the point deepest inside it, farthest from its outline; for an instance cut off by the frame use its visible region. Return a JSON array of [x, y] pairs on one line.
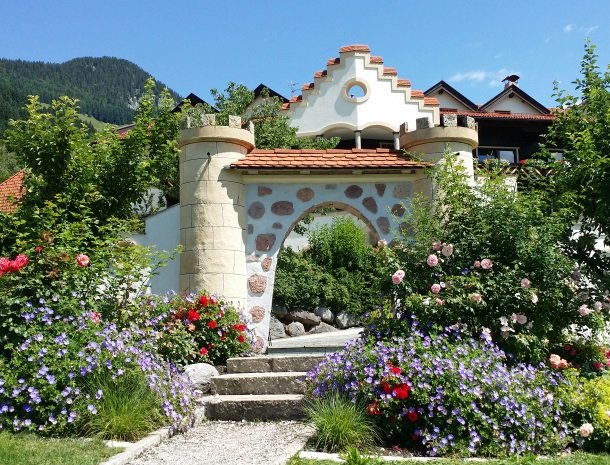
[[267, 387]]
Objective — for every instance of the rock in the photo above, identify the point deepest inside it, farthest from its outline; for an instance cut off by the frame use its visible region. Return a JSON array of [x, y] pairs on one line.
[[295, 329], [279, 312], [276, 329], [345, 320], [307, 318], [200, 375], [325, 314], [323, 328]]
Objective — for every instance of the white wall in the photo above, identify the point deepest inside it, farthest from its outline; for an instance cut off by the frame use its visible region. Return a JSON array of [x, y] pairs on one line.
[[514, 105]]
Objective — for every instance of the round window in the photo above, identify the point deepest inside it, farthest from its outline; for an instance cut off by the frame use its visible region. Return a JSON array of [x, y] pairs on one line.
[[356, 91]]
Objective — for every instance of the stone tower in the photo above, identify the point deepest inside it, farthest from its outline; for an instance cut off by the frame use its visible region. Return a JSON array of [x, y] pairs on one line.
[[212, 209]]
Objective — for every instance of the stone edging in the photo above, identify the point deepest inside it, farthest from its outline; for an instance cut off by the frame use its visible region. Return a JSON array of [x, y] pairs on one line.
[[134, 449]]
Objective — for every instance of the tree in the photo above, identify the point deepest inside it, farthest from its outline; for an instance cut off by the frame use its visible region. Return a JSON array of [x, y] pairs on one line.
[[112, 171], [9, 164], [271, 128], [582, 183]]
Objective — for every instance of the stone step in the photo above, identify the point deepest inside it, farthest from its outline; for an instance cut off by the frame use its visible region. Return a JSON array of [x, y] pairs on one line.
[[279, 363], [254, 407], [260, 383]]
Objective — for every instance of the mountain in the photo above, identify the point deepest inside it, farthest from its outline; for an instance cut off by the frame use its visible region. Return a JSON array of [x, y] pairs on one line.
[[108, 88]]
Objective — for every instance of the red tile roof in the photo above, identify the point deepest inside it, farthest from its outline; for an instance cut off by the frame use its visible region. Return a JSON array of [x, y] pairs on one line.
[[430, 101], [329, 159], [501, 115], [308, 86], [417, 93], [321, 73], [403, 82], [333, 61], [390, 71], [375, 59], [11, 191], [355, 48]]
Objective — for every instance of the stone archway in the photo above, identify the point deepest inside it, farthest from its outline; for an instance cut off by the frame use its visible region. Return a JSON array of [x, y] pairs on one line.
[[274, 208]]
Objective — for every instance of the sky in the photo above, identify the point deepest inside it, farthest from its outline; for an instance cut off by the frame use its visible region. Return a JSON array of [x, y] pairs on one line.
[[193, 46]]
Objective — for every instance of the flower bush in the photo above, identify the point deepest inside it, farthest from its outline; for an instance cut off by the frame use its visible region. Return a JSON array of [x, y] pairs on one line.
[[447, 394], [200, 328], [486, 257], [44, 385]]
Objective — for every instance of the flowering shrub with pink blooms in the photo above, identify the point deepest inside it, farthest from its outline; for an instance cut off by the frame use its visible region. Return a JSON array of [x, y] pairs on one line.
[[488, 259]]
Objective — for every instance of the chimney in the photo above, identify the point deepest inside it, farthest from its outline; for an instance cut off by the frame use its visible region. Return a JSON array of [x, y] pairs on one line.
[[511, 81]]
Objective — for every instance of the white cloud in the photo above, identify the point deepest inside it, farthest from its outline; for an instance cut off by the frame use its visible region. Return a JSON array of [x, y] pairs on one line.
[[589, 30], [492, 78], [568, 28]]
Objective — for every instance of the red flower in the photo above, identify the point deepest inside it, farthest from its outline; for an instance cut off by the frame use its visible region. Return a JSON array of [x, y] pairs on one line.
[[38, 249], [412, 417], [395, 370], [82, 260], [373, 408], [240, 327], [95, 317], [203, 351], [386, 387], [597, 366], [203, 300], [193, 315], [212, 324], [241, 338], [401, 392]]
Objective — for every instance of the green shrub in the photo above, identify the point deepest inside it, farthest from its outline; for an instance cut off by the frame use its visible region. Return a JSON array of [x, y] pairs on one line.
[[487, 257], [128, 409], [340, 424]]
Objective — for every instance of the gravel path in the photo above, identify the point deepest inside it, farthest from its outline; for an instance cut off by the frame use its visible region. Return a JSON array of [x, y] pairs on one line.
[[228, 443]]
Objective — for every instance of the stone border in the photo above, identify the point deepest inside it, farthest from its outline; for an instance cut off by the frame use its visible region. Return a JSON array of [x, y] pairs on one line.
[[134, 449]]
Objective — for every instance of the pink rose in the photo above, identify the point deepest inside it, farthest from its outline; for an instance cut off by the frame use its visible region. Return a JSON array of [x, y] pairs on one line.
[[597, 306], [440, 301], [82, 260], [486, 264], [525, 283], [4, 264], [476, 297], [477, 264], [397, 278], [21, 261], [436, 246], [447, 250], [432, 260], [436, 288], [521, 319], [585, 430], [584, 310]]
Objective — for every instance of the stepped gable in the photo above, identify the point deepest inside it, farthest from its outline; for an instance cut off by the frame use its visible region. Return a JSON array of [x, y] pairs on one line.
[[11, 191], [384, 72], [329, 159]]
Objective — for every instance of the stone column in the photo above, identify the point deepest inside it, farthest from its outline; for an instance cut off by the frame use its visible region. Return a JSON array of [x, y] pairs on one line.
[[396, 137], [212, 211], [358, 139]]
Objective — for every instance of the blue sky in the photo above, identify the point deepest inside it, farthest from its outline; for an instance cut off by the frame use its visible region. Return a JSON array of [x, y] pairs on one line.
[[193, 46]]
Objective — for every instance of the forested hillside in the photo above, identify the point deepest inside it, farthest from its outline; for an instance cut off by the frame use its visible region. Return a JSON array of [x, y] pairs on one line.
[[108, 88]]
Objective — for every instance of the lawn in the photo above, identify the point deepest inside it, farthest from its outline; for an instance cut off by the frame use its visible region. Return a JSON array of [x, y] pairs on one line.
[[32, 450], [575, 459]]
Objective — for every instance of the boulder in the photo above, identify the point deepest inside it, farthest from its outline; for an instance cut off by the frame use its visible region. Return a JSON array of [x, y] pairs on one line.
[[325, 314], [200, 375], [279, 312], [276, 328], [323, 328], [345, 320], [295, 329], [307, 318]]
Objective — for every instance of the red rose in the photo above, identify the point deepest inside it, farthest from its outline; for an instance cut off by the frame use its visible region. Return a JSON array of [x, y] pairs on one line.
[[412, 417], [4, 263], [203, 351], [212, 324], [203, 300], [597, 366], [386, 387], [241, 338], [38, 249], [401, 392], [239, 327], [395, 370], [193, 315], [82, 260]]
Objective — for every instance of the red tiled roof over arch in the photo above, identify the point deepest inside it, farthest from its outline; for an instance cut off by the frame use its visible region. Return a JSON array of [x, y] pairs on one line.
[[11, 191]]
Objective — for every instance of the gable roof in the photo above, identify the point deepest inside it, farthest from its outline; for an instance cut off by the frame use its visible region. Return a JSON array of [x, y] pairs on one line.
[[329, 159], [193, 100], [11, 191], [522, 94], [259, 89], [442, 85]]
